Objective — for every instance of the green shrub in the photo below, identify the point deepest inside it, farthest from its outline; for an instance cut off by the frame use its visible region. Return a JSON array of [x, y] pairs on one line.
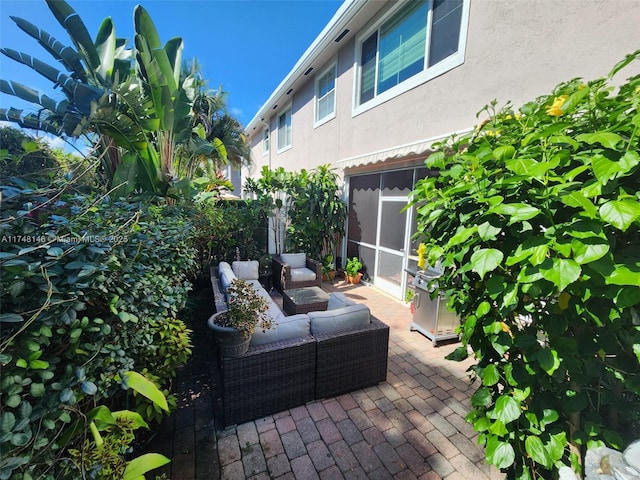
[[535, 217], [87, 286]]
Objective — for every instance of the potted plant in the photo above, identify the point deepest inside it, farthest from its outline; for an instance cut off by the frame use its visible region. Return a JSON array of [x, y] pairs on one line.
[[233, 327], [352, 270], [328, 268]]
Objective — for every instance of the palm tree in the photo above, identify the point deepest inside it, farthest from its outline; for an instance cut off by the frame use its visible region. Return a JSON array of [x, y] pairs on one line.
[[137, 114]]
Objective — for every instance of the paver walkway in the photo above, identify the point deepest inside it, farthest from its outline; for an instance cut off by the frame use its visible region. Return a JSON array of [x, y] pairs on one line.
[[412, 426]]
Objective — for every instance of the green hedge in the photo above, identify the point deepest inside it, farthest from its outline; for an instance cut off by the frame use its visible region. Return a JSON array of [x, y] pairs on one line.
[[90, 288]]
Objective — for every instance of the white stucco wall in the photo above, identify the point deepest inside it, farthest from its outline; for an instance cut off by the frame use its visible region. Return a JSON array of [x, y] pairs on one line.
[[516, 50]]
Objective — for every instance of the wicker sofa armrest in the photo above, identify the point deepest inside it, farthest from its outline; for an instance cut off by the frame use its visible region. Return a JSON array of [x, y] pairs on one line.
[[281, 273], [315, 266], [351, 359], [268, 379], [219, 298]]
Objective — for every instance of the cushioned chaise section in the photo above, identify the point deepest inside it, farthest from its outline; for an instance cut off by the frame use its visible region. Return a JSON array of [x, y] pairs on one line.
[[351, 359], [268, 379]]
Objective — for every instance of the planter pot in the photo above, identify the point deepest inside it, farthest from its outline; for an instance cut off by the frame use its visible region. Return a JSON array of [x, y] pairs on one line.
[[231, 342], [329, 276], [355, 279]]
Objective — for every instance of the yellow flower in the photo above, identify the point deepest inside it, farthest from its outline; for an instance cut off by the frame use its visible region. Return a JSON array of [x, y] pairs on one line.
[[555, 110], [422, 249]]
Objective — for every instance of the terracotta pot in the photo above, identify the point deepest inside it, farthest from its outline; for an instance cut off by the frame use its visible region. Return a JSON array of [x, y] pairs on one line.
[[329, 276], [231, 342], [355, 279]]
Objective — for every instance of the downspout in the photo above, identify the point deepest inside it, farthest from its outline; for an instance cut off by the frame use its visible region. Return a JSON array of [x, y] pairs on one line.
[[268, 126], [271, 241]]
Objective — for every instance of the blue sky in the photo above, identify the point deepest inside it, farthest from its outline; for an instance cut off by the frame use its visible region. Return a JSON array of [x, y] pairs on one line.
[[247, 46]]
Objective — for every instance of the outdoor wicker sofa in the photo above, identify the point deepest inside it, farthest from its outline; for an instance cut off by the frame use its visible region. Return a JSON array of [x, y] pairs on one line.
[[282, 374]]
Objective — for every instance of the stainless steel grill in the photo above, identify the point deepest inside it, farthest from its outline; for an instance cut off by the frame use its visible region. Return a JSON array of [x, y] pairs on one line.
[[431, 317]]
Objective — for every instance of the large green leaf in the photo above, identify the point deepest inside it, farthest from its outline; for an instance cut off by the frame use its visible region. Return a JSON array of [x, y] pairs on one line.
[[578, 199], [485, 260], [606, 139], [623, 275], [517, 212], [137, 467], [603, 168], [561, 272], [620, 213], [499, 453], [537, 451], [507, 409], [72, 23], [67, 56], [146, 388], [589, 249], [548, 360], [106, 48]]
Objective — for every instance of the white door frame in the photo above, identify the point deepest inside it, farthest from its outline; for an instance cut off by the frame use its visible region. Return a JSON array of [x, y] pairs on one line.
[[389, 287]]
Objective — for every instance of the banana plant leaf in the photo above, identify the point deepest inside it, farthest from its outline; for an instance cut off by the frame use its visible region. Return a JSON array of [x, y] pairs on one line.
[[30, 95], [64, 54], [106, 47], [30, 121], [72, 23]]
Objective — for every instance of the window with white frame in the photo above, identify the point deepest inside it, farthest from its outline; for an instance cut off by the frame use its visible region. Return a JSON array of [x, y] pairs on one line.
[[284, 129], [266, 141], [326, 95], [418, 41]]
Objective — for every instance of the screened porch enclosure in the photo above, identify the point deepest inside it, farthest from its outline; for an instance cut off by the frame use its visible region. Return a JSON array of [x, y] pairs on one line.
[[380, 227]]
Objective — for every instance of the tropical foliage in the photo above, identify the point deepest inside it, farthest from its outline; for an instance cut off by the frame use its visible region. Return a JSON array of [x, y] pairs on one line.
[[90, 289], [536, 219], [135, 105], [306, 211]]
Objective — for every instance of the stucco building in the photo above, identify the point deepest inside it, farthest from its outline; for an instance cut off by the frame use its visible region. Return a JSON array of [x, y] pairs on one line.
[[385, 79]]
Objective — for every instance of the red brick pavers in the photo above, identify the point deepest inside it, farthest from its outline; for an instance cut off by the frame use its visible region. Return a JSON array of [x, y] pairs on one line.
[[410, 427]]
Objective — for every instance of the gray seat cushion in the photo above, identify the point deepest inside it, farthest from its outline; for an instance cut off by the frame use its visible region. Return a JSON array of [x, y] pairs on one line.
[[302, 275]]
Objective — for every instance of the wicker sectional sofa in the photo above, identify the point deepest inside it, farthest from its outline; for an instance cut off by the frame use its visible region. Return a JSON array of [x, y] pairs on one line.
[[290, 367]]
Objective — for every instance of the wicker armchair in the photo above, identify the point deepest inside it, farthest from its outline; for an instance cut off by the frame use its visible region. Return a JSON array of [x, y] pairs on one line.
[[283, 279]]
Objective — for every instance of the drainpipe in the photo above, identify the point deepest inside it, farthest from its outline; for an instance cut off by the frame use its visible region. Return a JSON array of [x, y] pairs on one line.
[[271, 242], [266, 124]]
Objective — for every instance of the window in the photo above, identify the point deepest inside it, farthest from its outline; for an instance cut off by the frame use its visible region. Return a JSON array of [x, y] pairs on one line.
[[265, 141], [326, 95], [419, 41], [284, 129]]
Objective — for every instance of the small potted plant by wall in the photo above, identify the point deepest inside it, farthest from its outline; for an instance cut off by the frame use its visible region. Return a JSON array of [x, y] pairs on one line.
[[247, 311], [352, 270], [328, 268]]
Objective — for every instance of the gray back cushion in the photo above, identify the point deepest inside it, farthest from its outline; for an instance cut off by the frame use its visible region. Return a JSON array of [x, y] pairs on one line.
[[339, 319], [294, 326], [294, 260]]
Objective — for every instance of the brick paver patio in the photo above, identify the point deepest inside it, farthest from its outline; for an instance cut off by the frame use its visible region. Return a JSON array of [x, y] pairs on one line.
[[410, 427]]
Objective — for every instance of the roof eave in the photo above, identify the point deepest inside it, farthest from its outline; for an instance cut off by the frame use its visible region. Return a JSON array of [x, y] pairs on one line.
[[347, 11]]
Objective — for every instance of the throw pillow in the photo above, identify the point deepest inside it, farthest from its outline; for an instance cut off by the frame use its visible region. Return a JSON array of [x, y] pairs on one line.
[[247, 270], [294, 260]]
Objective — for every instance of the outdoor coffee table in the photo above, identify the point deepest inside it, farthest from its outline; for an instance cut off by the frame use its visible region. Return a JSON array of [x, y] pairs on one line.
[[304, 300]]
